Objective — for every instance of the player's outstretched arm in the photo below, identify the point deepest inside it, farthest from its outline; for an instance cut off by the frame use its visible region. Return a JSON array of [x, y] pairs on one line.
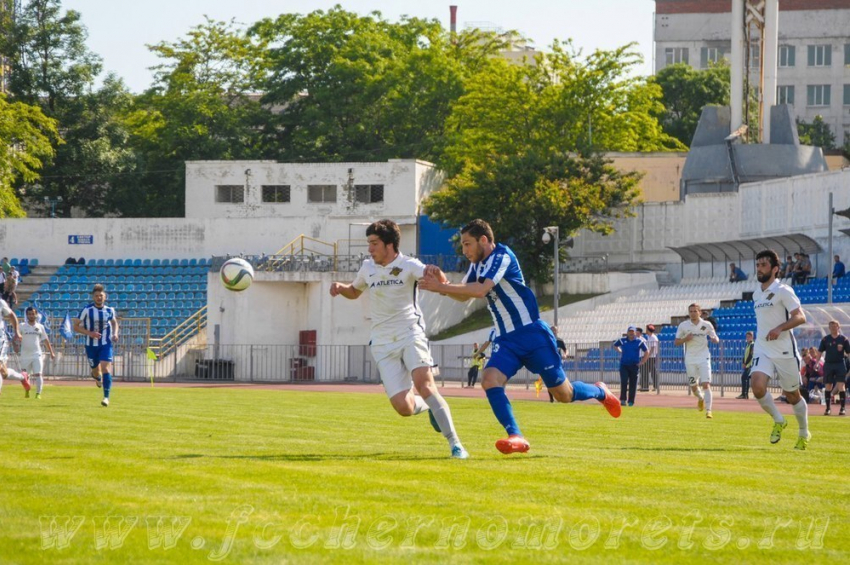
[[346, 290], [462, 291]]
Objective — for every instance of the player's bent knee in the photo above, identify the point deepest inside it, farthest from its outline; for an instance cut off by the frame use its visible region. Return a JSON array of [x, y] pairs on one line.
[[493, 379], [563, 392]]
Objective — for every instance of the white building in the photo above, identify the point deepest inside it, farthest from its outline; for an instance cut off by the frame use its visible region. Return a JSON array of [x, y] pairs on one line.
[[813, 58]]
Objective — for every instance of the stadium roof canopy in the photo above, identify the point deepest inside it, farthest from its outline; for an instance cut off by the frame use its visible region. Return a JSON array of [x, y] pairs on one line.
[[745, 249]]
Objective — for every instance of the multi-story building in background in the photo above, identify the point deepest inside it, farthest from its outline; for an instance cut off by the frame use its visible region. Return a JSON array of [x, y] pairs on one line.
[[813, 58]]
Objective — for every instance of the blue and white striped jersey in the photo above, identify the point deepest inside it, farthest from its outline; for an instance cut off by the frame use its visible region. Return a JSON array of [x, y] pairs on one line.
[[512, 304], [96, 319]]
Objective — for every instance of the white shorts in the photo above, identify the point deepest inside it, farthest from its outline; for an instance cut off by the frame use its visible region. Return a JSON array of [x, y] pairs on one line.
[[4, 351], [33, 364], [787, 369], [397, 360], [698, 372]]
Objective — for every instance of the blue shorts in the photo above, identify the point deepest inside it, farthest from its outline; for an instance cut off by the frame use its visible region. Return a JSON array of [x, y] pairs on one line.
[[99, 353], [533, 347]]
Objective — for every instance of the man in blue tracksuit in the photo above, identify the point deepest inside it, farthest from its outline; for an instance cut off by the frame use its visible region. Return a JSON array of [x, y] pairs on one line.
[[634, 353]]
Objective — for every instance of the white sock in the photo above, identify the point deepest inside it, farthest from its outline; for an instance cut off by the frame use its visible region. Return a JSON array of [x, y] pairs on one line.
[[708, 397], [769, 406], [14, 375], [801, 411], [419, 405], [39, 383], [440, 410]]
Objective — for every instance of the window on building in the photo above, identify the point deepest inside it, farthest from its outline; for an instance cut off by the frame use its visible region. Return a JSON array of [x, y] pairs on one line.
[[675, 55], [818, 94], [847, 54], [276, 193], [369, 193], [820, 55], [755, 54], [230, 193], [787, 56], [709, 55], [321, 193], [847, 94], [785, 95]]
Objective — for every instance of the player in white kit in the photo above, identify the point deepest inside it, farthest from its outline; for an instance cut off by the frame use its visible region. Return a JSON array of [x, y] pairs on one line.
[[6, 372], [695, 333], [775, 353], [398, 340], [33, 335]]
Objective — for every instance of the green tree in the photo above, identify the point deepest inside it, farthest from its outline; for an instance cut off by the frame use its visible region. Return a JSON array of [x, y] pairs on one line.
[[524, 147], [201, 107], [51, 67], [686, 91], [520, 194], [362, 88], [817, 133], [26, 139]]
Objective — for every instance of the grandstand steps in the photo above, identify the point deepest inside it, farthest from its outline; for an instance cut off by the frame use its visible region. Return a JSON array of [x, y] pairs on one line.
[[664, 278], [37, 276]]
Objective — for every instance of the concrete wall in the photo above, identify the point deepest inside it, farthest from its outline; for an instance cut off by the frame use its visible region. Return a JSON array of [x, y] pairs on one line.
[[279, 305], [251, 228], [662, 172], [769, 208], [798, 28]]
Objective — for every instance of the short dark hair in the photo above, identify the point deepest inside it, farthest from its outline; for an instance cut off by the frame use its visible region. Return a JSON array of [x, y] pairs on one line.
[[478, 228], [771, 255], [98, 288], [387, 231], [30, 309]]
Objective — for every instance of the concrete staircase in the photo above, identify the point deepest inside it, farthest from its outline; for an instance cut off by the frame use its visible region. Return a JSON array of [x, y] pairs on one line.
[[32, 282]]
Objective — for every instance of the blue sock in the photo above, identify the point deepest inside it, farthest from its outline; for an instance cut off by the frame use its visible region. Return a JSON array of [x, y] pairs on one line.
[[584, 391], [107, 384], [502, 409]]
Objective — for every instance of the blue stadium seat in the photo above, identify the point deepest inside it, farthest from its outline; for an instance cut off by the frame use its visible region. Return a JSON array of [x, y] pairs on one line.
[[137, 262], [146, 262], [184, 262], [156, 263], [194, 262], [14, 263], [111, 263], [174, 262], [204, 262]]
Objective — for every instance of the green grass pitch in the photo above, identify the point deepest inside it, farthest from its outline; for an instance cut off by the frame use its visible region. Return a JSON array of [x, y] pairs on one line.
[[268, 476]]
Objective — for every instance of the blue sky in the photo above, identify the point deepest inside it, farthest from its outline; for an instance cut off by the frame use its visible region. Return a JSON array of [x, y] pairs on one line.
[[120, 29]]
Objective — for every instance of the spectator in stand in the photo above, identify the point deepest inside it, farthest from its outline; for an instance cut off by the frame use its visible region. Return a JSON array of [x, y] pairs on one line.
[[813, 373], [633, 354], [787, 268], [4, 264], [10, 287], [802, 269], [736, 274], [652, 363], [747, 363], [837, 268]]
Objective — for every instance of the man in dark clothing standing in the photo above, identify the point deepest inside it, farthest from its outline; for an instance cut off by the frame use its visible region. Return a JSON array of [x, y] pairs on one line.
[[836, 347], [634, 353], [747, 362]]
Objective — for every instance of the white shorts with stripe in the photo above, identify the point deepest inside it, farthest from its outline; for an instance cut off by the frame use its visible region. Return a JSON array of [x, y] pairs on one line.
[[786, 369], [397, 360], [699, 372]]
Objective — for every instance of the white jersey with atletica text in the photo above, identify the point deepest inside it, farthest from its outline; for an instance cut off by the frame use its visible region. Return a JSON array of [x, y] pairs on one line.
[[393, 293], [696, 350], [773, 307], [31, 338]]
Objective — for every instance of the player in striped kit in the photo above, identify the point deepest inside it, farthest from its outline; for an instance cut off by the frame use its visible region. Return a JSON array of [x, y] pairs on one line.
[[522, 338], [99, 323], [6, 372], [32, 357], [398, 340]]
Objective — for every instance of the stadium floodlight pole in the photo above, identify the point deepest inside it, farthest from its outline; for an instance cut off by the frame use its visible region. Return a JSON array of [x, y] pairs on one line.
[[52, 202], [548, 233], [829, 262]]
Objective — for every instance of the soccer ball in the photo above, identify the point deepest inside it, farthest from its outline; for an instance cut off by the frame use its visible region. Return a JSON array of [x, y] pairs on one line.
[[237, 274]]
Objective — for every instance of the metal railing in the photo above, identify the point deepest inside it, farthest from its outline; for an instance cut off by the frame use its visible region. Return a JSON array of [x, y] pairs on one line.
[[187, 329]]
